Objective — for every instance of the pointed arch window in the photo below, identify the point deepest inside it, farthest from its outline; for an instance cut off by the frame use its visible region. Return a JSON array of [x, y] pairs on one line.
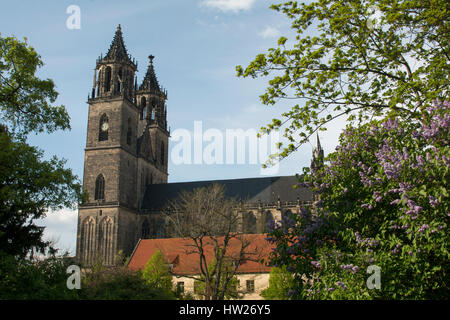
[[250, 225], [99, 188], [269, 222], [129, 132], [119, 81], [162, 153], [107, 79], [87, 243], [106, 240], [103, 128], [144, 107]]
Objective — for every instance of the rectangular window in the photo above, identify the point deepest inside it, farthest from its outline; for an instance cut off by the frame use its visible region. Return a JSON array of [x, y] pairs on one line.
[[180, 287], [250, 285]]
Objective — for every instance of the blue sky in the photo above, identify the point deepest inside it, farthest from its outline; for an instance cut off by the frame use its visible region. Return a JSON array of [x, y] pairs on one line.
[[197, 45]]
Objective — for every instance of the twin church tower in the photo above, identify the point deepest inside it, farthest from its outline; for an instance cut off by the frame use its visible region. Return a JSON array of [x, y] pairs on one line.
[[126, 149], [126, 162]]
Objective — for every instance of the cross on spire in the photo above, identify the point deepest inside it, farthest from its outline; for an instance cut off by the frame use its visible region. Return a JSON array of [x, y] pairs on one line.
[[150, 81]]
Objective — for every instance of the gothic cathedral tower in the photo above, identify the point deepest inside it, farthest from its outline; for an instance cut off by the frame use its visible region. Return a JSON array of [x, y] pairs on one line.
[[126, 149]]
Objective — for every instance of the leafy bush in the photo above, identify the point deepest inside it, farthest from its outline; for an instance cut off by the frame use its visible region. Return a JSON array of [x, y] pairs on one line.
[[384, 202]]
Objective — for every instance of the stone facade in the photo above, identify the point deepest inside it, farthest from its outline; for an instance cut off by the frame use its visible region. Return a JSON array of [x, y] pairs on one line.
[[126, 166], [126, 149], [259, 282]]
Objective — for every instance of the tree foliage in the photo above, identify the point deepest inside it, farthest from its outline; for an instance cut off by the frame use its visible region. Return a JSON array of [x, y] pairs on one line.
[[29, 186], [120, 283], [360, 59], [24, 279], [384, 201], [25, 100], [157, 274], [280, 283]]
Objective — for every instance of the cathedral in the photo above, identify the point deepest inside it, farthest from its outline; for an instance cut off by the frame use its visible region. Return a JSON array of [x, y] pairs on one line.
[[126, 166]]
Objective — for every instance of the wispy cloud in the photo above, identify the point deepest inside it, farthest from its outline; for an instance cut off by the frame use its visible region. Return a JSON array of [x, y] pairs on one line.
[[229, 5], [270, 32], [61, 227]]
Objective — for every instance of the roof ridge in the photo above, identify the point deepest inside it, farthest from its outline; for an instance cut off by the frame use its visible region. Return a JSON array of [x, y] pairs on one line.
[[234, 179]]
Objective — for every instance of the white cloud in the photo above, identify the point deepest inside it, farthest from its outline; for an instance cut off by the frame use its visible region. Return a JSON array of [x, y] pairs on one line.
[[269, 32], [229, 5], [61, 227]]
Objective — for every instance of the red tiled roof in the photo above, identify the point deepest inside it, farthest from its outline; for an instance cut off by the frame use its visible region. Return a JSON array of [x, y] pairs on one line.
[[185, 259]]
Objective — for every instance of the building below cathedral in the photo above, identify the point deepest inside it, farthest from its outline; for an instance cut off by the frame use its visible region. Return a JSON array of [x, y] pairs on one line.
[[126, 166], [252, 276]]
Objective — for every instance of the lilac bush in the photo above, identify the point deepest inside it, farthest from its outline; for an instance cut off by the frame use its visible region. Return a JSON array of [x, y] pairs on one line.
[[383, 201]]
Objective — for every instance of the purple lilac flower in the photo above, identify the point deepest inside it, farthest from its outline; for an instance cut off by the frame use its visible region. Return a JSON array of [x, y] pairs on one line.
[[433, 201], [374, 243], [315, 264], [423, 228], [342, 285]]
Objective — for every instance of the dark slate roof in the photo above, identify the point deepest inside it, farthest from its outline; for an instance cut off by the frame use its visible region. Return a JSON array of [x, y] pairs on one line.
[[252, 190]]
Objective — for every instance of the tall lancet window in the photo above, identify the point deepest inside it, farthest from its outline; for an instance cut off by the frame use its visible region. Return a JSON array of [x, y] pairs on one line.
[[107, 84], [119, 81], [99, 193], [144, 107], [87, 242], [105, 236], [103, 128]]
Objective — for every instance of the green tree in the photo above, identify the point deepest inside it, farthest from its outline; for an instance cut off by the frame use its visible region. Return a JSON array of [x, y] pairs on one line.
[[25, 100], [343, 64], [384, 202], [29, 186], [119, 283], [35, 279], [280, 282], [157, 274]]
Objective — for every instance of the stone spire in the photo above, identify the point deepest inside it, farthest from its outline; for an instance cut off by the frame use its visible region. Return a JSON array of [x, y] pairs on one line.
[[150, 82], [117, 50], [317, 155]]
